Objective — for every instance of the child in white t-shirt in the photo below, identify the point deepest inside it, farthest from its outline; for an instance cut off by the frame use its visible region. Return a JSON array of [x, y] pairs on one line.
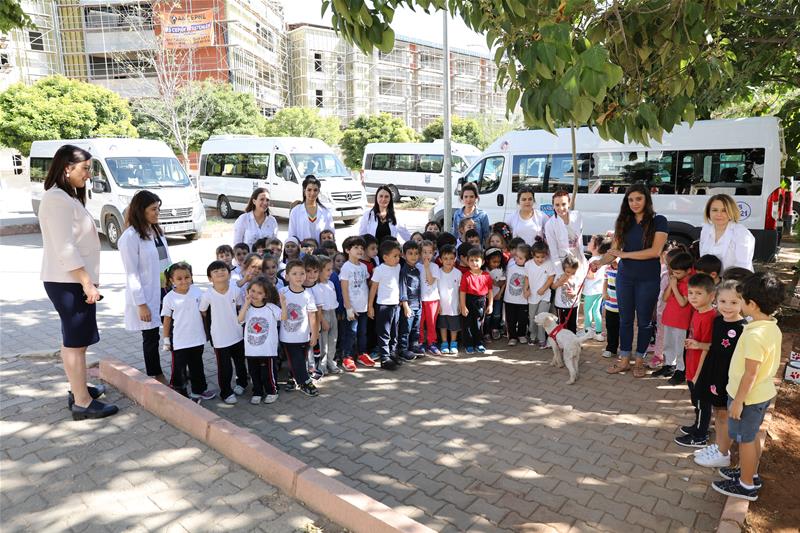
[[261, 315], [566, 297], [495, 265], [429, 289], [516, 298], [325, 298], [355, 293], [449, 283], [540, 274], [385, 293], [221, 305], [593, 288], [298, 326], [184, 333]]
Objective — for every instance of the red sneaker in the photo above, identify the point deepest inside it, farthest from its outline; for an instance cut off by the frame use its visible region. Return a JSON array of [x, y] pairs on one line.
[[366, 360], [348, 364]]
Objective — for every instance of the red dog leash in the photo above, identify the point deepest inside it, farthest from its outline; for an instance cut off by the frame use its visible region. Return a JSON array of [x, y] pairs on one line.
[[558, 328]]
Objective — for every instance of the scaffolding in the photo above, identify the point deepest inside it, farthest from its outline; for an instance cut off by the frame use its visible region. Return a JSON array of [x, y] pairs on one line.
[[333, 75], [29, 54]]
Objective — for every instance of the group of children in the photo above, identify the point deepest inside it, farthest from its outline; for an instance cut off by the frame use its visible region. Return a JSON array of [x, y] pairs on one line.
[[314, 308]]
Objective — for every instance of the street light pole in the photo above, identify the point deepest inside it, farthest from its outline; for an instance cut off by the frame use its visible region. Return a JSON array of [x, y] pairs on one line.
[[447, 163]]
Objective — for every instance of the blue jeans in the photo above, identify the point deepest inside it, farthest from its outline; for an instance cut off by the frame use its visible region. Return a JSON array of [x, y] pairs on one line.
[[354, 336], [409, 330], [636, 300], [386, 318]]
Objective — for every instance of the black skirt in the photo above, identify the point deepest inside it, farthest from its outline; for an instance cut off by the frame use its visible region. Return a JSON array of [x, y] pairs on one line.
[[78, 319]]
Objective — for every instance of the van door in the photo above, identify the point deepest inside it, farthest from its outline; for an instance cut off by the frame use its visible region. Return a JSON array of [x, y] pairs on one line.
[[492, 187], [284, 186]]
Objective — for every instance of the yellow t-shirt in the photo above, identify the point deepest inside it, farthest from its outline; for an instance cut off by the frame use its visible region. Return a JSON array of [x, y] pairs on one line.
[[760, 341]]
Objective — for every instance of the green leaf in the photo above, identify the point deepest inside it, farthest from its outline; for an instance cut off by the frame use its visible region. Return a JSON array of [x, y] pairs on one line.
[[689, 114], [517, 7], [511, 99], [582, 109], [596, 58], [543, 71], [387, 41]]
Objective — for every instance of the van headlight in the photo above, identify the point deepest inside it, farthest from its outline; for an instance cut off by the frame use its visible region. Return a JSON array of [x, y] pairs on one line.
[[325, 197]]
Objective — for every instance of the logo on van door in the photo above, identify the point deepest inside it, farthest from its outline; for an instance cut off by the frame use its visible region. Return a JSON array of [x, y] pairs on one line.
[[744, 210], [547, 209]]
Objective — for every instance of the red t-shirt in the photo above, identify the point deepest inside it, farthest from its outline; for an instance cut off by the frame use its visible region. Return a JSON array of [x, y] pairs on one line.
[[370, 266], [461, 268], [700, 330], [477, 284], [674, 315]]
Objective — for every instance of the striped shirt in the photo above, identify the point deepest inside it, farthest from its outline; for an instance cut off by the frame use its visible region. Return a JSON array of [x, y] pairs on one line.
[[611, 301]]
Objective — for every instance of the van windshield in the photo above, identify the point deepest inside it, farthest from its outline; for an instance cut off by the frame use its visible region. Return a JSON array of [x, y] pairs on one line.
[[147, 172], [320, 165]]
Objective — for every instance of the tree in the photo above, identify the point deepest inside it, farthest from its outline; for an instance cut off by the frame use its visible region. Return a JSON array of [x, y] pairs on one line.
[[304, 122], [60, 108], [462, 130], [366, 129], [12, 16], [629, 68], [492, 129], [225, 111]]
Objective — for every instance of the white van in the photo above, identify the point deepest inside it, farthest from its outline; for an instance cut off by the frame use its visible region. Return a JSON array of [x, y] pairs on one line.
[[413, 169], [232, 166], [120, 168], [739, 157]]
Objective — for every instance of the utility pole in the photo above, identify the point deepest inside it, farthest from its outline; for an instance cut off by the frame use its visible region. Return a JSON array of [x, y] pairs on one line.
[[447, 163]]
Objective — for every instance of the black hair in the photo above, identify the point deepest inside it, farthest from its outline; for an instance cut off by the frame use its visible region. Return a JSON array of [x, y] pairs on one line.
[[709, 264], [525, 249], [293, 264], [376, 209], [627, 219], [387, 246], [503, 229], [475, 251], [737, 274], [472, 233], [605, 245], [224, 248], [355, 240], [310, 261], [242, 246], [526, 190], [429, 236], [326, 231], [445, 239], [369, 239], [251, 204], [681, 261], [436, 223], [540, 247], [216, 265], [765, 290], [701, 280], [569, 261], [494, 252], [447, 249], [57, 173], [516, 241], [180, 265], [270, 292], [260, 243], [598, 239], [328, 245], [464, 248], [311, 180], [268, 257], [421, 236], [135, 217], [410, 245], [275, 240], [309, 242]]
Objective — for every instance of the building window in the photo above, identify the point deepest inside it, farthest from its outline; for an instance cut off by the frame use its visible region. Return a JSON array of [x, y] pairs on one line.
[[319, 101], [37, 40], [4, 62], [340, 65], [16, 163], [139, 16], [317, 62], [265, 37]]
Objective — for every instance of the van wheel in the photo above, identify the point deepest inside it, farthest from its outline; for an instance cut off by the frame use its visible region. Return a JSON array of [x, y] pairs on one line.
[[224, 207], [192, 236], [395, 192], [112, 231]]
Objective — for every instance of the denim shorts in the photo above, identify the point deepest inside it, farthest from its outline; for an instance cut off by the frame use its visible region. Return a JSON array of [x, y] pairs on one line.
[[746, 428]]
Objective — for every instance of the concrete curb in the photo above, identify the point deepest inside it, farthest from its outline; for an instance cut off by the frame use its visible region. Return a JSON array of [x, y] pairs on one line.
[[19, 229], [338, 502]]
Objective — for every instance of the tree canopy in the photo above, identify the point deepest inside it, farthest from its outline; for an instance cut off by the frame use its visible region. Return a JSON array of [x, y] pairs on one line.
[[12, 16], [366, 129], [60, 108], [304, 122], [462, 130]]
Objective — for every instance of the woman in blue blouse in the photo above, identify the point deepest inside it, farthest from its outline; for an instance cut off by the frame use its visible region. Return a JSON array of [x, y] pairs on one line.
[[469, 209]]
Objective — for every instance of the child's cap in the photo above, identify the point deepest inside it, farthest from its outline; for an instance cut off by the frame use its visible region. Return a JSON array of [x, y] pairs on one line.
[[493, 251], [293, 240]]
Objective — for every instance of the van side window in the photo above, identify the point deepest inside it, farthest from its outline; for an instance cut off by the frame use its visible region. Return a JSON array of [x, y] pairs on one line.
[[491, 175], [283, 169], [458, 164], [561, 175], [528, 171], [39, 168], [431, 163], [404, 162], [226, 165], [379, 162], [257, 166], [732, 171], [615, 171]]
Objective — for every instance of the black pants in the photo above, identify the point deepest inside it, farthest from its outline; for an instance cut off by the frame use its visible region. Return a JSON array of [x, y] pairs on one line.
[[572, 323], [612, 331], [263, 371], [476, 305], [517, 320], [228, 358], [296, 357], [387, 320], [152, 359], [702, 413], [191, 359]]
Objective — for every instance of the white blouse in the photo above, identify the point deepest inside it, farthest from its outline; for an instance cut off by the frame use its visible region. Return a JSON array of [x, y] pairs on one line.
[[735, 248], [142, 278], [527, 229], [247, 230], [301, 227], [69, 238], [369, 224]]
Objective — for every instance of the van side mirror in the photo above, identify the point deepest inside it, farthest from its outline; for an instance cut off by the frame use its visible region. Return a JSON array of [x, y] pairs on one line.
[[100, 186]]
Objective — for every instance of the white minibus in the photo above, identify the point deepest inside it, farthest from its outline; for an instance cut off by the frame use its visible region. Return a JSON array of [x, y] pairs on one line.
[[120, 168], [740, 157], [413, 169], [232, 166]]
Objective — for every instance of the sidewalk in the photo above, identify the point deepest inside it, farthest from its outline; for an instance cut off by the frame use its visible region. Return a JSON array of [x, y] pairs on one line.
[[129, 472]]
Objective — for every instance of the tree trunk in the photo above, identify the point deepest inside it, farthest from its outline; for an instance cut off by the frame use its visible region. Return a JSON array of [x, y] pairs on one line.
[[575, 175]]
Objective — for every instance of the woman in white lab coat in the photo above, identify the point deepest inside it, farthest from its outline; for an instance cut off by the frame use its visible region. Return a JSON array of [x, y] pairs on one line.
[[256, 222], [380, 220], [564, 230], [723, 236], [145, 257], [309, 219]]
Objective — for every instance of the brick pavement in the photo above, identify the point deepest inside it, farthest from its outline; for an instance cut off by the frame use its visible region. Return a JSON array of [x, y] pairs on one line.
[[131, 472]]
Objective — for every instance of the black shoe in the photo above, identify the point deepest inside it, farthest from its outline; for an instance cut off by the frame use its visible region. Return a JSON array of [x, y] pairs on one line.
[[734, 488], [665, 371], [95, 409], [734, 472], [290, 385], [687, 430], [310, 389], [95, 392], [678, 378], [398, 361], [387, 363], [407, 355], [690, 441]]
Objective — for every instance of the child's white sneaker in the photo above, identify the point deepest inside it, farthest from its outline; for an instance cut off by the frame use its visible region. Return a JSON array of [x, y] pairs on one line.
[[599, 337], [270, 398], [238, 390], [523, 340], [608, 354], [232, 399], [512, 342], [255, 400], [711, 448], [714, 459]]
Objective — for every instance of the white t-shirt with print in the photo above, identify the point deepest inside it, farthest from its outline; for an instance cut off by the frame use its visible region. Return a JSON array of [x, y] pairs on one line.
[[388, 279], [325, 296], [515, 284], [497, 275], [356, 276], [537, 276], [449, 284], [187, 322], [593, 287], [296, 328], [225, 328], [261, 331], [430, 292]]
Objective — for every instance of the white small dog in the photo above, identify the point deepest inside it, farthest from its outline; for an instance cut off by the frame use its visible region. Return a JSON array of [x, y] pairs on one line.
[[567, 349]]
